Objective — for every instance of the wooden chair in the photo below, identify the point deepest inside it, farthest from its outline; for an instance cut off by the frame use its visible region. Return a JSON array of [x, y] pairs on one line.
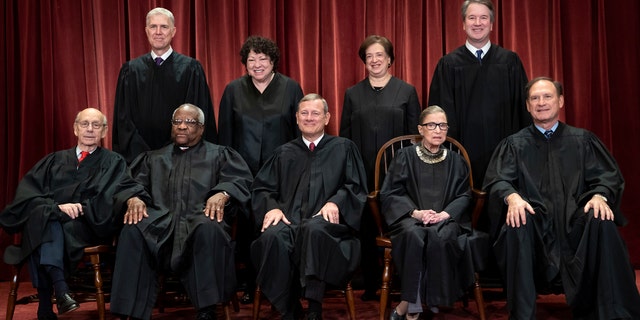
[[383, 160], [347, 293], [91, 254]]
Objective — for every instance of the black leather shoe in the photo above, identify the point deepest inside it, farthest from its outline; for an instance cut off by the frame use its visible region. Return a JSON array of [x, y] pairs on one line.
[[66, 304], [48, 316], [396, 316], [206, 315], [246, 298], [314, 316]]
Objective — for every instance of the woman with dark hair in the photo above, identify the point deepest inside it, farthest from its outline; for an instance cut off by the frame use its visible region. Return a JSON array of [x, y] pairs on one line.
[[376, 109], [257, 115]]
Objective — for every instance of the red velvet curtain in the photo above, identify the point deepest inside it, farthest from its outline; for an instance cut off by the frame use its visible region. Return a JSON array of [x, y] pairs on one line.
[[60, 56]]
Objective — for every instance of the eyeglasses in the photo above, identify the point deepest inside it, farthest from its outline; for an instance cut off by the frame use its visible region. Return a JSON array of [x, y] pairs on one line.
[[94, 125], [544, 98], [189, 122], [432, 125]]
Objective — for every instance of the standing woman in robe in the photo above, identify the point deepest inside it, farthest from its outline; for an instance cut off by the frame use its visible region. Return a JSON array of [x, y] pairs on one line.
[[257, 115], [376, 109], [426, 199]]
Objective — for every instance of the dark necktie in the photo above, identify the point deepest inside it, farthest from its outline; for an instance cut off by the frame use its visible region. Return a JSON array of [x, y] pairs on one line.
[[479, 55], [159, 61], [312, 146], [83, 154], [548, 133]]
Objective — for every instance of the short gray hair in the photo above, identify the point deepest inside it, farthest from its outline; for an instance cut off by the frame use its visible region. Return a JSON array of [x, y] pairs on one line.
[[312, 97], [189, 106], [161, 11]]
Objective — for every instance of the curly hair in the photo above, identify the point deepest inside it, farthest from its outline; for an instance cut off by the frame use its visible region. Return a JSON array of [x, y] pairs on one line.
[[260, 45]]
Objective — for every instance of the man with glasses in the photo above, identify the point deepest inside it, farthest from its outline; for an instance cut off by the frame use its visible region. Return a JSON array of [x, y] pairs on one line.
[[554, 202], [69, 200], [196, 190]]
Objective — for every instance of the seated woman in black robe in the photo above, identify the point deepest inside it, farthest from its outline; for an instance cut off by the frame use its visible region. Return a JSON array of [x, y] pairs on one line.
[[425, 199]]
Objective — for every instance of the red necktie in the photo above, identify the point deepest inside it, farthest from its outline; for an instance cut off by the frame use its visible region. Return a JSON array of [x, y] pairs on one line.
[[83, 154], [312, 146]]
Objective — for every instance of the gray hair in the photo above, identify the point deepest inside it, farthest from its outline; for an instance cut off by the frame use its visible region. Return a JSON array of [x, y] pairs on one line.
[[190, 106], [312, 97], [161, 11]]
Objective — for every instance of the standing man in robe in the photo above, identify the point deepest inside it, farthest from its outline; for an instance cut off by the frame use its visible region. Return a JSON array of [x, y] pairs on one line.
[[479, 85], [555, 196], [197, 188], [307, 200], [69, 200], [151, 86]]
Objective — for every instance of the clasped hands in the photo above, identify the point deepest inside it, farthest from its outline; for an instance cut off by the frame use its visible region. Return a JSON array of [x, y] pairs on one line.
[[329, 212], [429, 216], [518, 207]]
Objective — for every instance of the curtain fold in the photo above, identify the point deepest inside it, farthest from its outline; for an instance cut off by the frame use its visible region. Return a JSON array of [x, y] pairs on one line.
[[60, 56]]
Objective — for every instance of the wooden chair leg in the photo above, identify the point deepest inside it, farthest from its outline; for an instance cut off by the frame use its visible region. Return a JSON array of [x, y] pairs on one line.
[[235, 303], [95, 264], [13, 292], [351, 304], [477, 291], [386, 284], [256, 303], [227, 312]]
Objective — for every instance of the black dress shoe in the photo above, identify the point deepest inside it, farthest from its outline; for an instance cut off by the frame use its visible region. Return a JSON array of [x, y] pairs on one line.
[[314, 316], [48, 316], [396, 316], [66, 304], [205, 315]]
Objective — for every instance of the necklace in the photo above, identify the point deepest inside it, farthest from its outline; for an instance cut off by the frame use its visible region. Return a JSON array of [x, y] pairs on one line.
[[379, 84], [429, 157]]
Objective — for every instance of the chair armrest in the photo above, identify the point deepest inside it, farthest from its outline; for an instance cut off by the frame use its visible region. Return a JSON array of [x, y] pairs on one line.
[[479, 198], [373, 199]]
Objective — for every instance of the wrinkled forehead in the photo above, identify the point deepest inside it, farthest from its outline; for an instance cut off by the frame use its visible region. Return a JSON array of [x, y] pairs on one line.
[[90, 116], [186, 113], [159, 19]]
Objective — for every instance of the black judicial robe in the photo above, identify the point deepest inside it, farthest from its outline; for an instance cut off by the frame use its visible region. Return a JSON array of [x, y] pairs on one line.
[[370, 117], [438, 256], [254, 123], [557, 177], [180, 182], [484, 102], [177, 237], [147, 95], [101, 183], [300, 183]]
